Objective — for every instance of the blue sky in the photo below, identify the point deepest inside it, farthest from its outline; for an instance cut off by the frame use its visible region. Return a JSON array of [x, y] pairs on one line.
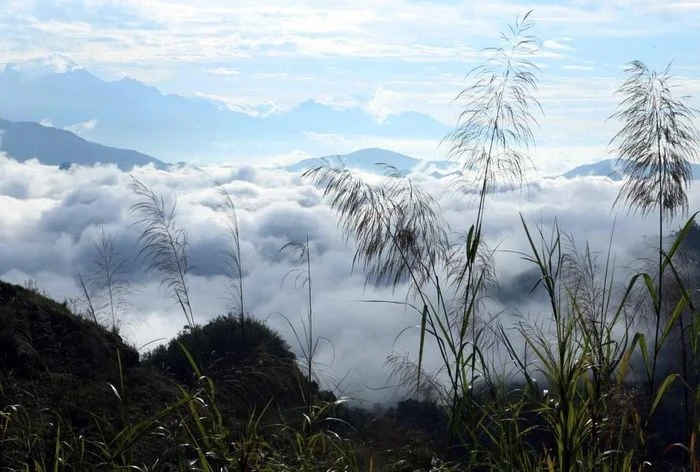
[[384, 56]]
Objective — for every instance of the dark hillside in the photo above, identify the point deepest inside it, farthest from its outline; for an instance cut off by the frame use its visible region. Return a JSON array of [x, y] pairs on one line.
[[38, 335], [74, 392], [58, 370]]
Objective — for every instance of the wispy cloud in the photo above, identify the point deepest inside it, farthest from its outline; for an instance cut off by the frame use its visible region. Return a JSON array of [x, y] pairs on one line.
[[556, 44], [222, 71], [576, 67], [82, 127]]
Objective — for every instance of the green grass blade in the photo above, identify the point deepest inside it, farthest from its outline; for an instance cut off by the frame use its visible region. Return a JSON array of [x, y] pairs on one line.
[[662, 390]]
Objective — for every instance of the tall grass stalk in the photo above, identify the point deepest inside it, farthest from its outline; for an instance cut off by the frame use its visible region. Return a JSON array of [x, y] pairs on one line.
[[688, 341], [104, 285], [234, 262], [401, 238], [493, 137], [308, 342], [86, 297], [656, 144], [674, 316], [163, 244]]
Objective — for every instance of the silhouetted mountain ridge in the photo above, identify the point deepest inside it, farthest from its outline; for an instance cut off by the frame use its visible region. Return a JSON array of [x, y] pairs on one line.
[[52, 146], [610, 168]]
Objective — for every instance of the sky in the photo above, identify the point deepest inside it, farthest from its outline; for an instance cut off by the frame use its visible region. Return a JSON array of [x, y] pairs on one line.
[[385, 56]]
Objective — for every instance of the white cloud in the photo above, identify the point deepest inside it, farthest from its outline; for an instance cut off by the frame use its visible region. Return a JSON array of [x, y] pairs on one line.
[[556, 45], [52, 62], [383, 104], [576, 67], [221, 31], [222, 71], [48, 223], [260, 57], [83, 127], [398, 55]]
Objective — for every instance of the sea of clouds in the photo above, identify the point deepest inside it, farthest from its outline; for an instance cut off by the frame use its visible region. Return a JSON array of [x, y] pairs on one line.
[[50, 220]]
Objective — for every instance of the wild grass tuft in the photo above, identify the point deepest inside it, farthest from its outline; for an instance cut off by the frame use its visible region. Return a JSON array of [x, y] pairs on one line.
[[164, 244]]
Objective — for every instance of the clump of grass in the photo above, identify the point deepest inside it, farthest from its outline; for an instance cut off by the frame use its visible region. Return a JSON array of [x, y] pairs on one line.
[[104, 285], [577, 354]]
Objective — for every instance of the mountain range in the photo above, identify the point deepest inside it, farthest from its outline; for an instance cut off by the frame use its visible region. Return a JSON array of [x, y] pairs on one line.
[[610, 168], [60, 147], [129, 113], [375, 160]]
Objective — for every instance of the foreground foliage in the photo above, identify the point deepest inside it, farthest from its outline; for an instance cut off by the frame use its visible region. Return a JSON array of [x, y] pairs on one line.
[[232, 396]]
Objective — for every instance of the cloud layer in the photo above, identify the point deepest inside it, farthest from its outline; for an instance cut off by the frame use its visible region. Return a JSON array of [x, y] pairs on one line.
[[49, 220]]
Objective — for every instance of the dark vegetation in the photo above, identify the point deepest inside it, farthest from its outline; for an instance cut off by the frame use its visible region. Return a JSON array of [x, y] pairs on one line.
[[76, 397], [605, 377]]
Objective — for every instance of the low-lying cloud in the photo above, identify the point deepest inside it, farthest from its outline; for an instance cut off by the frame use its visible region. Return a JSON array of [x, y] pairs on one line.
[[50, 219]]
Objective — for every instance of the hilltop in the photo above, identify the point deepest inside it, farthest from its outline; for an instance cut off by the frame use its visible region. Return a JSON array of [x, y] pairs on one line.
[[53, 146]]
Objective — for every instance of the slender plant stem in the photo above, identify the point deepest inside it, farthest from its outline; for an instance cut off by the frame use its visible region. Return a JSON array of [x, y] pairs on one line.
[[310, 319]]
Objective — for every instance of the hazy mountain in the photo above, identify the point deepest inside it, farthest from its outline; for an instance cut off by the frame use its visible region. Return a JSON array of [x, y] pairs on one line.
[[52, 146], [605, 168], [128, 113], [609, 168], [311, 116], [372, 160]]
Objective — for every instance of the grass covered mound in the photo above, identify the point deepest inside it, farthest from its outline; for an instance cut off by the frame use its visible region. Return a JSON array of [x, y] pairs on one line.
[[250, 364], [39, 335], [66, 381], [228, 395], [74, 393]]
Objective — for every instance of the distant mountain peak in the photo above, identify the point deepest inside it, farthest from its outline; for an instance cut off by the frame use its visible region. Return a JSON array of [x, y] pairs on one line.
[[129, 82], [309, 103], [605, 168], [610, 168], [132, 82], [59, 147], [79, 72], [372, 160]]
